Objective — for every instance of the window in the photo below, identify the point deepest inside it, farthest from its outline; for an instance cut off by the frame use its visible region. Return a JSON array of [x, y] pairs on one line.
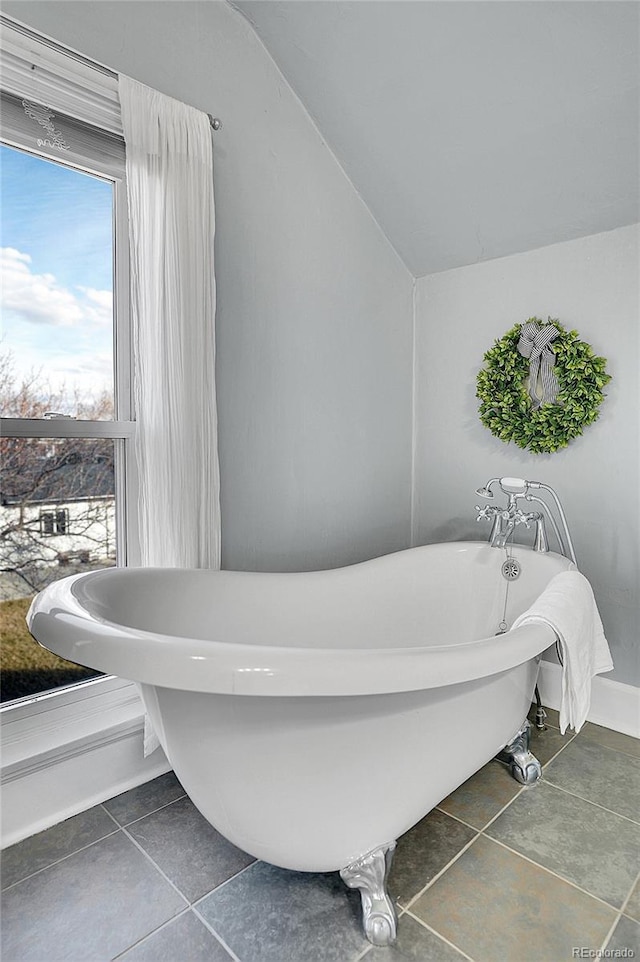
[[67, 501], [54, 522]]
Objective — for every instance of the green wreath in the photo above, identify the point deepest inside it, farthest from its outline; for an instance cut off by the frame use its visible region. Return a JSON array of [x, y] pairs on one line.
[[542, 417]]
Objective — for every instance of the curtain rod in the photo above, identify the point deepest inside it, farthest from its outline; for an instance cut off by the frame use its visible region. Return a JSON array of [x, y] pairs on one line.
[[22, 28]]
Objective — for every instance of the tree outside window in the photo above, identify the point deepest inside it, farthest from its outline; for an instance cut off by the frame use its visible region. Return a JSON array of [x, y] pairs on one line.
[[59, 457]]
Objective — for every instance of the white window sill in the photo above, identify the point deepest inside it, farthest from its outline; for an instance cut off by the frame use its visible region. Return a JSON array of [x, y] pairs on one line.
[[37, 730], [68, 750]]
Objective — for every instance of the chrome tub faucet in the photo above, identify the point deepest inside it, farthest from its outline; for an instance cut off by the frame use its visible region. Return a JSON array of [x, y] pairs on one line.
[[505, 519]]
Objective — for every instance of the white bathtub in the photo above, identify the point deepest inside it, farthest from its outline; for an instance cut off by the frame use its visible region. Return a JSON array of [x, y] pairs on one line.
[[315, 717]]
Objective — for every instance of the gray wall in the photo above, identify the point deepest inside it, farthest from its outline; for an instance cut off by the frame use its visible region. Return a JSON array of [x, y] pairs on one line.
[[315, 333], [590, 285], [314, 319]]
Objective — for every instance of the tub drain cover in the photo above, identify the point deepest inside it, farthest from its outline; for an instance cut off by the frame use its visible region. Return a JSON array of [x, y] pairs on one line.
[[511, 569]]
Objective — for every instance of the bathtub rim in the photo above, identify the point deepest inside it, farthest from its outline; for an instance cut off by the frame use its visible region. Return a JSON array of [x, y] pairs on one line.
[[59, 622]]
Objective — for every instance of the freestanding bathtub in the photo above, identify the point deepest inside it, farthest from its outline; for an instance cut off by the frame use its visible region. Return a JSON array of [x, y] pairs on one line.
[[315, 717]]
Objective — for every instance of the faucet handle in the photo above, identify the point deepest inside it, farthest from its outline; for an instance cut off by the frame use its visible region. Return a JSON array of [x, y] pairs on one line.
[[486, 513], [521, 518]]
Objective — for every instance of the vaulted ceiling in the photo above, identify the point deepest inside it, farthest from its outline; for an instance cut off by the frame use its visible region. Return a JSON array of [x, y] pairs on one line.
[[472, 129]]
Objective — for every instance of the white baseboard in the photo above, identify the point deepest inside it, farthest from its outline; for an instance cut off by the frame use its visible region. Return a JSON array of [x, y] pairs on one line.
[[613, 705], [64, 753]]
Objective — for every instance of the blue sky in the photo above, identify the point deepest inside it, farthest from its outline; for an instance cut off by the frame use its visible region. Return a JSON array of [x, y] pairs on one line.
[[57, 283]]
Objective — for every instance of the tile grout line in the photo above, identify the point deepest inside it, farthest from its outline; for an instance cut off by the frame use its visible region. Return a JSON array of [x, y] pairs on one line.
[[113, 819], [550, 871], [439, 935], [441, 872], [117, 828], [401, 912], [456, 818], [512, 800], [503, 809], [478, 831], [153, 932], [568, 742], [63, 858], [156, 866], [481, 831], [610, 811], [367, 950], [217, 888], [216, 934], [620, 914], [628, 898], [594, 743], [618, 751], [190, 905], [519, 792], [200, 898], [614, 925], [146, 815]]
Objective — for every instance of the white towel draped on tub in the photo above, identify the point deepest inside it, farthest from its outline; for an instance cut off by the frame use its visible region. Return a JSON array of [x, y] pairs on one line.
[[567, 605]]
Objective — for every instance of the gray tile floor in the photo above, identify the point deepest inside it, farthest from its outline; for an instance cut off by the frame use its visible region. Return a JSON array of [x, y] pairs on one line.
[[496, 873]]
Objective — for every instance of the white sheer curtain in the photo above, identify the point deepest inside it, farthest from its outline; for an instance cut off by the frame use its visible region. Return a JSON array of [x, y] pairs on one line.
[[171, 229]]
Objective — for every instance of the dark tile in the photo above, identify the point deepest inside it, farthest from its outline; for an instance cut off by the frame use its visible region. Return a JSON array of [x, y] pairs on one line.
[[610, 739], [184, 938], [268, 914], [600, 775], [45, 848], [414, 943], [593, 848], [88, 907], [424, 851], [626, 935], [482, 796], [552, 716], [188, 849], [145, 798], [493, 904], [546, 745], [632, 907]]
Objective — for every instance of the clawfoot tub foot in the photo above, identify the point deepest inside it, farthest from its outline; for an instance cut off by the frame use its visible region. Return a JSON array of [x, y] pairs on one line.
[[369, 874], [524, 765]]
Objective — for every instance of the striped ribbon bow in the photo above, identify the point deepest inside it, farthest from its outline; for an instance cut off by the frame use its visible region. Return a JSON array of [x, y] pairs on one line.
[[534, 344]]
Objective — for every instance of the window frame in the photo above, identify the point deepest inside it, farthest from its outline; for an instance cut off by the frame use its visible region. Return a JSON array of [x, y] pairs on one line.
[[121, 429], [69, 748], [52, 520]]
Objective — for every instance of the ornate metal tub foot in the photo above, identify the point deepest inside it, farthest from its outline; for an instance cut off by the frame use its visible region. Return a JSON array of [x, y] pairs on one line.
[[369, 874], [524, 766]]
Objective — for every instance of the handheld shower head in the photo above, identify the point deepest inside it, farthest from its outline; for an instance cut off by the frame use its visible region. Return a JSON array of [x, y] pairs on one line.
[[514, 486], [486, 491]]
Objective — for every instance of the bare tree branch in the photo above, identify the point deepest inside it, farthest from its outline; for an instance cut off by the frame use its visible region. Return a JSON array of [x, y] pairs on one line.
[[56, 493]]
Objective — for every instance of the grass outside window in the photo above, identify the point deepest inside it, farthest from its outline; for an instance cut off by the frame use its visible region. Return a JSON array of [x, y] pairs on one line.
[[27, 668]]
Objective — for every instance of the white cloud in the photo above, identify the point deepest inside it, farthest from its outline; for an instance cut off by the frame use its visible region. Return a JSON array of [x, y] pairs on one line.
[[62, 368], [98, 306], [12, 254], [39, 299], [35, 298], [62, 335]]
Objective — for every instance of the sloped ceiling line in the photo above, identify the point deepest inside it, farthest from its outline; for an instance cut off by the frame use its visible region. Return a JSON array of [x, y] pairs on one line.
[[472, 130]]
